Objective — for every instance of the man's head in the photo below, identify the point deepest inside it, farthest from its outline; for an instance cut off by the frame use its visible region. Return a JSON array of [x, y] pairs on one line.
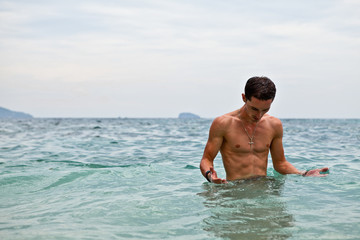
[[258, 97], [261, 88]]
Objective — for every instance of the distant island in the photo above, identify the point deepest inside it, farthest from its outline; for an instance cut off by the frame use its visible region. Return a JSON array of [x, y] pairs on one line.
[[6, 113], [187, 115]]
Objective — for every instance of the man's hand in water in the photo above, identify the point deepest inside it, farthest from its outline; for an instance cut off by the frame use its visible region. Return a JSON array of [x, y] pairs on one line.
[[320, 172], [214, 178]]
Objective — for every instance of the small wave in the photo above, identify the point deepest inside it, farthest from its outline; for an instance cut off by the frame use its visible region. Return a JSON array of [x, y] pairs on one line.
[[190, 167], [13, 148], [68, 178], [90, 165], [17, 166]]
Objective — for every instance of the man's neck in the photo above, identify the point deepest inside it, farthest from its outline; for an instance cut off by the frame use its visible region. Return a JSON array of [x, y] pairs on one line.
[[244, 117]]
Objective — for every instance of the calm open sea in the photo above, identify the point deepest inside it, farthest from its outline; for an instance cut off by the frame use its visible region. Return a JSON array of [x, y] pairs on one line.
[[139, 179]]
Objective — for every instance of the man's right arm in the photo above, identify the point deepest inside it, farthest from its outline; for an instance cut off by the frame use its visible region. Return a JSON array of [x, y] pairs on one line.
[[213, 145], [281, 165]]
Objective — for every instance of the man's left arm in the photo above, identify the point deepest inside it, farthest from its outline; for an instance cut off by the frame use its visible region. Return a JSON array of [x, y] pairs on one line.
[[280, 163]]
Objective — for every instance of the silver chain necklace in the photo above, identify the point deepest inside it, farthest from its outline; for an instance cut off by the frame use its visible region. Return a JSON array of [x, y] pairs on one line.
[[252, 137]]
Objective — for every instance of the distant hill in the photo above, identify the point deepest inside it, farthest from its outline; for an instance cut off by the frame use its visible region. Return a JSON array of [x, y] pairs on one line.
[[6, 113], [187, 115]]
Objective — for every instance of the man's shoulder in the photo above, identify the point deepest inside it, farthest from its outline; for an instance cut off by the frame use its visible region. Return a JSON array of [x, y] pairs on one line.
[[223, 121], [273, 120], [275, 124]]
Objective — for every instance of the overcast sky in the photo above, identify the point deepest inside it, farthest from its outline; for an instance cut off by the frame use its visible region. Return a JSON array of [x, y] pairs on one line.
[[157, 58]]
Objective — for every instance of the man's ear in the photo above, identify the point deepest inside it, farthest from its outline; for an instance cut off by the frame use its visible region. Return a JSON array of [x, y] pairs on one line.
[[243, 97]]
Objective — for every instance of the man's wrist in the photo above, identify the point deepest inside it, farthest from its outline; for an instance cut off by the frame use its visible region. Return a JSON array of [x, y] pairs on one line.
[[207, 176], [303, 173]]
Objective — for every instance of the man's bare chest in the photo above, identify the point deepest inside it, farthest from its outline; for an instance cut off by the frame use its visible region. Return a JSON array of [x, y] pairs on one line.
[[239, 141]]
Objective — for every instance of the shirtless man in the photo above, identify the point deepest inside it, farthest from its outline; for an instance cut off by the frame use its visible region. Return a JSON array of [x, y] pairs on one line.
[[245, 136]]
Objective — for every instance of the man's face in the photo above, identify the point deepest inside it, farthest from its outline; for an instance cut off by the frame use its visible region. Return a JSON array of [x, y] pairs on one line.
[[257, 108]]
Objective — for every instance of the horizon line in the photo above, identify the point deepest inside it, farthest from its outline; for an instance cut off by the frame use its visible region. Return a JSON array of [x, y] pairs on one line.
[[284, 118]]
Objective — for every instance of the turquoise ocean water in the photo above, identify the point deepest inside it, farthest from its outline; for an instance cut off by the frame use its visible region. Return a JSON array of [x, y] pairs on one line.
[[139, 179]]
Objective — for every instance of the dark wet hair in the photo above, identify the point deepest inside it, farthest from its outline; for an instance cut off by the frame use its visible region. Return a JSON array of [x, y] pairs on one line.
[[260, 87]]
